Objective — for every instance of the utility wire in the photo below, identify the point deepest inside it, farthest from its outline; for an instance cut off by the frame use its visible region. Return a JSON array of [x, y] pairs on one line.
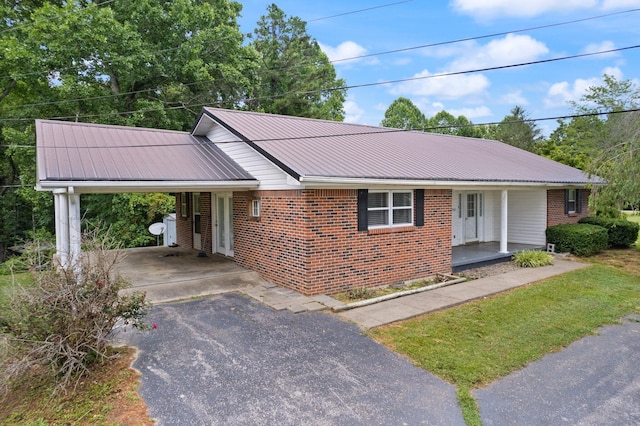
[[358, 11], [460, 40], [346, 87], [381, 130]]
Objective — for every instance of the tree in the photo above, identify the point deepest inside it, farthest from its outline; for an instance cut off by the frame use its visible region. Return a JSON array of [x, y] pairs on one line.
[[446, 123], [140, 63], [572, 142], [294, 76], [403, 114], [515, 129], [616, 139]]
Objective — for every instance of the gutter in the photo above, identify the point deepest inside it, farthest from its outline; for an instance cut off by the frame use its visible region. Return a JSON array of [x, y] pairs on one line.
[[144, 186]]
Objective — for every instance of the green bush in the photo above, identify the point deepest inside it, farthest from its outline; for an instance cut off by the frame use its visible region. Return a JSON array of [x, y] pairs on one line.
[[581, 239], [621, 232], [532, 258]]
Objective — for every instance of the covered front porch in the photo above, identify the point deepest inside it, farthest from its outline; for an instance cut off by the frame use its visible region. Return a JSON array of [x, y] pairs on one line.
[[482, 254]]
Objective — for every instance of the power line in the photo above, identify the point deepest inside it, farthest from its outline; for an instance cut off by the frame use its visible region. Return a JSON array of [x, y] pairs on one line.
[[359, 10], [442, 43], [346, 87], [381, 130]]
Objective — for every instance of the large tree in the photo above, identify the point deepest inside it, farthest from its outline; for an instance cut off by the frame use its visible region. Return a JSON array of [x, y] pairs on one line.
[[404, 114], [294, 76], [617, 143], [142, 63], [517, 130]]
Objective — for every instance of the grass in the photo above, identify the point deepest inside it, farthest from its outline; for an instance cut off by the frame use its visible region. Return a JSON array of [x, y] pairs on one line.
[[107, 397], [477, 343], [363, 293], [7, 281], [634, 217]]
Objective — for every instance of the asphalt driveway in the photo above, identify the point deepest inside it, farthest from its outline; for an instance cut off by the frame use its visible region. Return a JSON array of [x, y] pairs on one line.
[[594, 381], [231, 360]]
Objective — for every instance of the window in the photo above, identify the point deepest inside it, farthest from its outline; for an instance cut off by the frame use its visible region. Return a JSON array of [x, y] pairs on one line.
[[255, 207], [183, 204], [571, 201], [389, 209]]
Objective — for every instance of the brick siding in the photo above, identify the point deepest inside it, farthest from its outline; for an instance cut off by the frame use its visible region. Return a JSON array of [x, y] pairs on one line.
[[307, 240], [555, 207]]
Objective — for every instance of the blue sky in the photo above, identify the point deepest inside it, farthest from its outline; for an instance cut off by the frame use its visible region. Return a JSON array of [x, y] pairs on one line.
[[543, 90]]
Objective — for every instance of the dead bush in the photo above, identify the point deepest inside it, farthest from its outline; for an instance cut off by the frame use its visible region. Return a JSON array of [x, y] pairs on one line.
[[64, 321]]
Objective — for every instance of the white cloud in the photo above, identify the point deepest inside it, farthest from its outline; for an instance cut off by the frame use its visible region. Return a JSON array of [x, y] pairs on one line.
[[344, 51], [446, 87], [353, 113], [514, 98], [601, 47], [484, 9], [561, 93], [511, 49], [619, 4], [471, 113]]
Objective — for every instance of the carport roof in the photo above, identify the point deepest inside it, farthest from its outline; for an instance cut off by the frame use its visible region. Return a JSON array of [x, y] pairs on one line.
[[80, 152]]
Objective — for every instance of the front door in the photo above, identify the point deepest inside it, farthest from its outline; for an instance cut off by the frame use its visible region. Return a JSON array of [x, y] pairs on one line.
[[197, 233], [471, 218], [224, 224]]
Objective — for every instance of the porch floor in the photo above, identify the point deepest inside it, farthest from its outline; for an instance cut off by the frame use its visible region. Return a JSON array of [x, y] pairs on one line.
[[481, 254]]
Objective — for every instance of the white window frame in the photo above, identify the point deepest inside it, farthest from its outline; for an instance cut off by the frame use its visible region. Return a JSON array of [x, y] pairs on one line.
[[256, 207], [573, 200], [183, 205], [391, 208]]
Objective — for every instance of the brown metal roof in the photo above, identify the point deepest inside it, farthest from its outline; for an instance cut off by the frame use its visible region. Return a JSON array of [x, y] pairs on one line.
[[319, 148], [92, 152]]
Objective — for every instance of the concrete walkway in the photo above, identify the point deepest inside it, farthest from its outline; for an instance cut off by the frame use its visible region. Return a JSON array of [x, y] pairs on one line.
[[410, 306]]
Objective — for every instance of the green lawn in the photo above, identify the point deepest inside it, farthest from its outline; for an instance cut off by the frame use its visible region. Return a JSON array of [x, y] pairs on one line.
[[477, 343], [6, 281], [634, 218]]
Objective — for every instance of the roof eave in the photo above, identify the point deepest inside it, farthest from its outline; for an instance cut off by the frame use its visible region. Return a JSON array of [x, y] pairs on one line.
[[348, 182], [114, 187]]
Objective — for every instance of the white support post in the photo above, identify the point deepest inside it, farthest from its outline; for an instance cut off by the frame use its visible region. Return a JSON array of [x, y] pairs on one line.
[[503, 221], [75, 233], [62, 228]]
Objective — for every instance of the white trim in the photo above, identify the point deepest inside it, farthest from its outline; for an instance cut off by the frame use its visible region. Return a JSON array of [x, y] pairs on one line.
[[101, 187], [325, 181]]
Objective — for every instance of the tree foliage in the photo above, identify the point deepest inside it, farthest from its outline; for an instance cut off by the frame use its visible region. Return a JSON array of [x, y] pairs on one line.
[[294, 76], [404, 114], [517, 130], [615, 144]]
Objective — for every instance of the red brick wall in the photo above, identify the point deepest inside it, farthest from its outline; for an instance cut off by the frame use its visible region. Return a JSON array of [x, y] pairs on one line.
[[184, 236], [307, 240], [555, 207], [184, 225]]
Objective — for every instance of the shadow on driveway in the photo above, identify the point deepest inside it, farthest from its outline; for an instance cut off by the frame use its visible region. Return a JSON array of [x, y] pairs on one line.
[[231, 360]]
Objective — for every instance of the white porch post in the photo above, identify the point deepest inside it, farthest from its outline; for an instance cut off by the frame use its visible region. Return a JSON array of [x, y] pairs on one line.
[[503, 221], [62, 226], [75, 235]]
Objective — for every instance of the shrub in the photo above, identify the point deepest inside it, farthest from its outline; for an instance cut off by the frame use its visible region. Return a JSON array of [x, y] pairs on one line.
[[64, 321], [621, 232], [532, 258], [580, 239]]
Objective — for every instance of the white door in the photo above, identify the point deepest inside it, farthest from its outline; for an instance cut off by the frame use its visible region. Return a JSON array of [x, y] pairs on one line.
[[197, 233], [471, 217], [224, 224]]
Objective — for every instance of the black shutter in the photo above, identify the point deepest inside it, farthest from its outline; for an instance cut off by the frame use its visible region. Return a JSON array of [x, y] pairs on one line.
[[566, 201], [419, 207], [578, 201], [363, 196]]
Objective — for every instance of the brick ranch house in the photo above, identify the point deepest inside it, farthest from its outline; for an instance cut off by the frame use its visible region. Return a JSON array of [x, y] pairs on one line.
[[315, 206]]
